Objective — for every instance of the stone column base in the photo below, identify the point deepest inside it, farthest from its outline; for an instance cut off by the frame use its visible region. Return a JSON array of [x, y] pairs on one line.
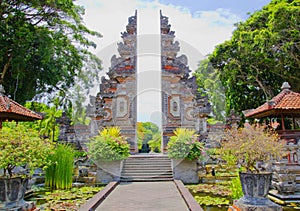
[[108, 171], [240, 206], [185, 170]]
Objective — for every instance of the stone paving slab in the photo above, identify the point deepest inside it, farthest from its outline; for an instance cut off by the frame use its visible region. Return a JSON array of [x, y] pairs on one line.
[[144, 196]]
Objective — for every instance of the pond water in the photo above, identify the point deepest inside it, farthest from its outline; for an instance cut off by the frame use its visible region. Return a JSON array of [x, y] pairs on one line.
[[70, 199], [212, 190]]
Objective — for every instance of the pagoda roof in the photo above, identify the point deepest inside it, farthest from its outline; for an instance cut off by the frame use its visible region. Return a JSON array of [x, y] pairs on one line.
[[11, 110], [286, 103]]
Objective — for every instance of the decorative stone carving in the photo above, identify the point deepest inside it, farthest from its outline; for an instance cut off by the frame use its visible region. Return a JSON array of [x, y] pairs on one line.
[[174, 103], [122, 106], [181, 105], [115, 103], [283, 181], [12, 192]]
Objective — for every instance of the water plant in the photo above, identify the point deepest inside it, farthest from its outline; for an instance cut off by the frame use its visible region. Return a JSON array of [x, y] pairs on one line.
[[211, 201], [69, 200], [185, 144], [218, 190], [109, 145], [59, 174]]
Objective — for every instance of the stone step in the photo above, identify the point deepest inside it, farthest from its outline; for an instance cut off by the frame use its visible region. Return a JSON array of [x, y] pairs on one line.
[[148, 178], [146, 165], [147, 174], [156, 158], [146, 170], [156, 168], [147, 161]]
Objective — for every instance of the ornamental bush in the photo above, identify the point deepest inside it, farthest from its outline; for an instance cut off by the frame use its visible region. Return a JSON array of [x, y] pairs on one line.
[[109, 145], [185, 144], [251, 144], [21, 146]]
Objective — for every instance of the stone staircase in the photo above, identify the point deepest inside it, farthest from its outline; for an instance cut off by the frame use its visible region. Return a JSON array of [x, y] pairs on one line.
[[147, 168]]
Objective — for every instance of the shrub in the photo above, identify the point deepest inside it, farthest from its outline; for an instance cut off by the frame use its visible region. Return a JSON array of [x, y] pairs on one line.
[[184, 144], [236, 188], [20, 146], [109, 145], [251, 144]]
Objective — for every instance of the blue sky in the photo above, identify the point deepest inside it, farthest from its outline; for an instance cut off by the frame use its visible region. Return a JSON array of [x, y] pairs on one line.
[[238, 7], [199, 26]]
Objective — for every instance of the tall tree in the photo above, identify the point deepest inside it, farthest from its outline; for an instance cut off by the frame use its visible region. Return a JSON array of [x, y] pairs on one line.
[[209, 83], [148, 132], [44, 47], [263, 52]]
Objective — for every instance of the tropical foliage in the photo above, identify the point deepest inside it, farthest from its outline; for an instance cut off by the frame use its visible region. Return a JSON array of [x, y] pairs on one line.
[[210, 85], [44, 48], [109, 145], [149, 133], [47, 126], [59, 174], [251, 144], [262, 53], [185, 144], [21, 146], [236, 188]]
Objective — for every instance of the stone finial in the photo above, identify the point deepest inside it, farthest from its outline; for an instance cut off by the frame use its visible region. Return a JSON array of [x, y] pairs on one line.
[[285, 86]]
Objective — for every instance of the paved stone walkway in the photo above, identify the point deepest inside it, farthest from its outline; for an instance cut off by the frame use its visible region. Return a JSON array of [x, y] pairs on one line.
[[144, 196]]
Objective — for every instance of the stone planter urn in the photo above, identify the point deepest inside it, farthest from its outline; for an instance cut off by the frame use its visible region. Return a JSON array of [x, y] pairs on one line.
[[12, 191], [109, 171], [185, 170], [255, 188]]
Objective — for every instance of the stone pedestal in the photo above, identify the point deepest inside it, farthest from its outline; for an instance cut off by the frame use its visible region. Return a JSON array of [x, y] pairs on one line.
[[185, 170], [255, 189], [12, 193], [108, 171], [240, 205]]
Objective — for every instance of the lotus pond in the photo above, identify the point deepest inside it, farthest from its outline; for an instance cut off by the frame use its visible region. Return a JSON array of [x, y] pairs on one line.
[[218, 196], [58, 200], [216, 192]]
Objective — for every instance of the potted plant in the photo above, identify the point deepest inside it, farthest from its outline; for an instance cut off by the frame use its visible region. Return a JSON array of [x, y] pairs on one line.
[[250, 148], [185, 149], [21, 152], [107, 150]]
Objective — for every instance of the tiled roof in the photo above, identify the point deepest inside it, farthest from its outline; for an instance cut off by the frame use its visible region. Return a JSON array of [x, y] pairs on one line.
[[286, 102], [11, 110]]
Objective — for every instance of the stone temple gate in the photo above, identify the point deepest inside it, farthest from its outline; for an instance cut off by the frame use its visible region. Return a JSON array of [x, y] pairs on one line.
[[116, 103]]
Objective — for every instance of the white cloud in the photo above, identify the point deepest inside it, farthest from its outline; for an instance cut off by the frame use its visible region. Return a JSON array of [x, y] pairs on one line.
[[198, 34], [202, 31]]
